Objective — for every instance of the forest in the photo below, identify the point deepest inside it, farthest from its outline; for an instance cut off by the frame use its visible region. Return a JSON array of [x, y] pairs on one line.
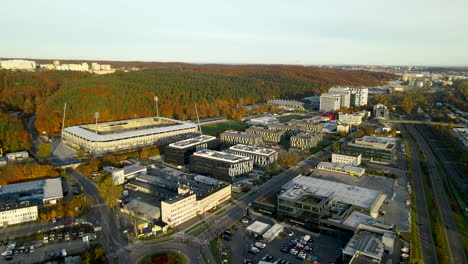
[[216, 89]]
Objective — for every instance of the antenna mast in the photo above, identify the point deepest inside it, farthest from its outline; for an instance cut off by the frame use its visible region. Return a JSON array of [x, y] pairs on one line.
[[198, 119]]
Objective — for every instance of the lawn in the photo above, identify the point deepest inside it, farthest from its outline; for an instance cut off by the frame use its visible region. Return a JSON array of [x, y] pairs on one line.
[[216, 129], [220, 211], [195, 227], [164, 257]]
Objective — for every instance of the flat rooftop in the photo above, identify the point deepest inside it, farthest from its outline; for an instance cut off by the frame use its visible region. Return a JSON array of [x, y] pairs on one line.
[[222, 156], [306, 135], [347, 153], [285, 102], [366, 242], [240, 134], [376, 142], [340, 167], [265, 130], [258, 227], [192, 142], [252, 149], [343, 193], [34, 190], [124, 129]]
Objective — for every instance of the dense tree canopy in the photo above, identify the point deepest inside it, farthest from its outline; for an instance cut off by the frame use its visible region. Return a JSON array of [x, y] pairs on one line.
[[13, 135]]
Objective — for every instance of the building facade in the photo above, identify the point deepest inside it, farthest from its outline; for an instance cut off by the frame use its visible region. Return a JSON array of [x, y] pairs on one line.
[[121, 135], [269, 135], [232, 137], [18, 214], [287, 104], [306, 140], [289, 130], [307, 125], [345, 94], [347, 158], [359, 96], [178, 210], [341, 168], [220, 165], [330, 102], [380, 111], [260, 156], [179, 153], [343, 127], [373, 147]]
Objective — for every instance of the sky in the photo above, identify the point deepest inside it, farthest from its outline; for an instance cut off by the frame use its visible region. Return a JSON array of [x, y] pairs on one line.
[[309, 32]]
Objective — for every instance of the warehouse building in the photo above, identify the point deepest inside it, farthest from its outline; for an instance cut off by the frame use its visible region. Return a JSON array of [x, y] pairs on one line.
[[269, 135], [179, 153], [341, 168], [350, 158], [232, 137], [306, 140], [121, 135], [373, 147], [220, 165], [260, 156], [289, 105]]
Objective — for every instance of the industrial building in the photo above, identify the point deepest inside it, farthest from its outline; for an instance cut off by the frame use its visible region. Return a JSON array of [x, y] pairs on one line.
[[220, 165], [373, 147], [263, 120], [330, 102], [233, 137], [179, 153], [370, 245], [289, 105], [350, 158], [178, 196], [121, 135], [260, 156], [380, 111], [306, 140], [269, 135], [341, 168], [121, 175]]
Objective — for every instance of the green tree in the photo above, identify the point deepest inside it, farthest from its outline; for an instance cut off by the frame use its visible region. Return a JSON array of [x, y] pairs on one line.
[[108, 190], [336, 146], [94, 255], [44, 151]]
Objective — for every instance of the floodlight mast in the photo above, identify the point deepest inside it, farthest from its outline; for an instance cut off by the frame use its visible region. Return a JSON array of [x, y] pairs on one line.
[[96, 116], [64, 111], [198, 119], [156, 99]]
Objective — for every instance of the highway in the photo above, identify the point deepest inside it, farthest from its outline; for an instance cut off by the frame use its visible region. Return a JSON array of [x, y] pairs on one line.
[[422, 215], [420, 122], [451, 231]]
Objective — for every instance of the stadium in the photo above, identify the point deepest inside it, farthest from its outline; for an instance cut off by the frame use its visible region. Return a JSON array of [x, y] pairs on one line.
[[121, 135]]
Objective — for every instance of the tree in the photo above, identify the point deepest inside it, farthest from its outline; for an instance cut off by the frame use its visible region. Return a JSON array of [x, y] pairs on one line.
[[94, 255], [44, 151], [108, 190], [336, 146]]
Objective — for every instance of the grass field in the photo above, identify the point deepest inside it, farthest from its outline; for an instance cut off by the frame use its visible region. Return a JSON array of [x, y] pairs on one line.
[[216, 129], [166, 257]]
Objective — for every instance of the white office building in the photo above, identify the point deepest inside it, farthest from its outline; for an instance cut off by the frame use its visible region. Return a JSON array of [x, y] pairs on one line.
[[347, 158], [345, 94], [17, 214], [260, 156], [18, 64], [330, 102]]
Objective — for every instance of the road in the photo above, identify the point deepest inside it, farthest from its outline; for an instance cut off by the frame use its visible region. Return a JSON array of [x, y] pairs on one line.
[[422, 215], [420, 122], [451, 231], [101, 215]]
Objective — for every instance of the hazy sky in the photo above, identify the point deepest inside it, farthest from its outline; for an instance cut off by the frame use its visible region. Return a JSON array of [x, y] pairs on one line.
[[429, 32]]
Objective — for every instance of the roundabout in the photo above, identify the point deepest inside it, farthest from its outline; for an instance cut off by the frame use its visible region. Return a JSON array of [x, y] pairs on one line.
[[164, 257]]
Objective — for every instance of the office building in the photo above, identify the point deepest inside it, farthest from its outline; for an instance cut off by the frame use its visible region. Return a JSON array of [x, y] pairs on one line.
[[330, 102], [220, 165], [373, 147], [289, 130], [343, 127], [350, 158], [179, 153], [289, 105], [121, 135], [353, 119], [260, 156], [341, 168], [17, 156], [380, 111], [12, 214], [307, 125], [306, 140], [345, 94], [179, 196], [121, 175], [263, 120], [359, 96], [269, 135], [317, 196], [17, 64], [232, 137]]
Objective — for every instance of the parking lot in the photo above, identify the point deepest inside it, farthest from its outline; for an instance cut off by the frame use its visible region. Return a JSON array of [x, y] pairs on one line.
[[47, 245], [326, 247]]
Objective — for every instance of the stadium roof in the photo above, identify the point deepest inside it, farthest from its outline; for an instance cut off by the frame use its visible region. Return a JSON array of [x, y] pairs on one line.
[[89, 135]]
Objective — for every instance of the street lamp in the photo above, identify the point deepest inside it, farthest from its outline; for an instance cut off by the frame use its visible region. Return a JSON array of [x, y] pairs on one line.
[[96, 116], [156, 101]]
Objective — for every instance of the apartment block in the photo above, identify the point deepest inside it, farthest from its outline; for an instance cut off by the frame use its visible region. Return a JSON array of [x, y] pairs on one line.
[[260, 156], [232, 137], [306, 140], [269, 135]]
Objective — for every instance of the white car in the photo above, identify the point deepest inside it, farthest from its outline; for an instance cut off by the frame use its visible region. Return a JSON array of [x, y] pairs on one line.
[[7, 253], [31, 249], [260, 244]]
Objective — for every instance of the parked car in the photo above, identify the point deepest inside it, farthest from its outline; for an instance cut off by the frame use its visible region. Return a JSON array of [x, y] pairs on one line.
[[260, 244]]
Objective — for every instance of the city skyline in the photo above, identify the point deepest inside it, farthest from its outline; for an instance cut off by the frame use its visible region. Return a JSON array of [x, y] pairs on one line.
[[429, 33]]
